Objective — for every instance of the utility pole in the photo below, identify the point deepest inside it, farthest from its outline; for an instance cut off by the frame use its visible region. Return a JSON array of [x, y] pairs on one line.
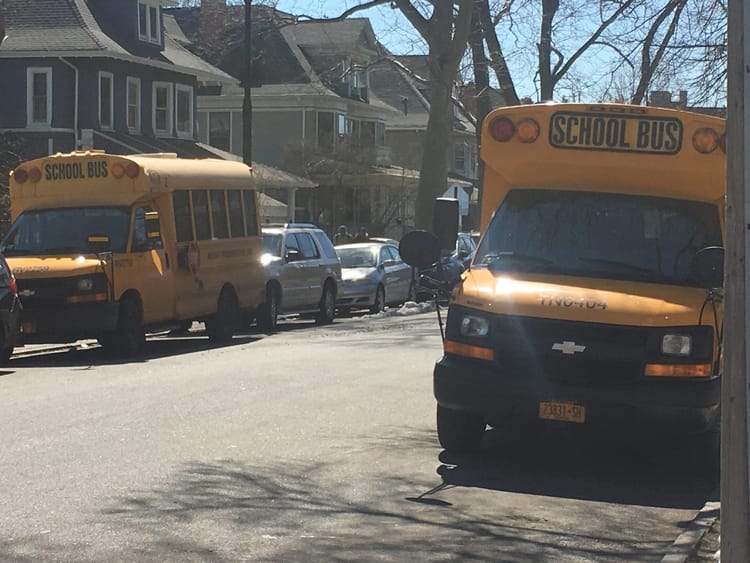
[[247, 102], [735, 488]]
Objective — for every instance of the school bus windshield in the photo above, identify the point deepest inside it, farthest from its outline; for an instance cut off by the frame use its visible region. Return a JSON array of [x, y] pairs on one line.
[[64, 231], [598, 235]]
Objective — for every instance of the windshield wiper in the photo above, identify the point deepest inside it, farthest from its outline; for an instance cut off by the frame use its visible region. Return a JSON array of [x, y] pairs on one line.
[[626, 266]]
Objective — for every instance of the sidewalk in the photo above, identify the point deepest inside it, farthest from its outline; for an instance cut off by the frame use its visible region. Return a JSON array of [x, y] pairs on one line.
[[700, 541]]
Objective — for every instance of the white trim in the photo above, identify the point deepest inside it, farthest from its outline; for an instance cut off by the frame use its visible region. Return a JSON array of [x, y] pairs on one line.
[[188, 134], [168, 132], [37, 130], [111, 125], [137, 81], [30, 72], [145, 35]]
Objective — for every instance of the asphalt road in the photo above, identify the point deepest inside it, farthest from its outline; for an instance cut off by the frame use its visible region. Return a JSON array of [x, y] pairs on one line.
[[314, 444]]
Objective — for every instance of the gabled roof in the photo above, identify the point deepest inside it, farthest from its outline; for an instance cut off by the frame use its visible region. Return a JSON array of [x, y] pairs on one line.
[[44, 28]]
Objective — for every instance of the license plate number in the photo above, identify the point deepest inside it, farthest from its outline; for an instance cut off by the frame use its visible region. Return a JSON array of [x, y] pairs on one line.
[[567, 412]]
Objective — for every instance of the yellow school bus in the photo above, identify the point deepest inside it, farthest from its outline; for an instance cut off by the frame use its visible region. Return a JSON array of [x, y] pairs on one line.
[[111, 247], [594, 298]]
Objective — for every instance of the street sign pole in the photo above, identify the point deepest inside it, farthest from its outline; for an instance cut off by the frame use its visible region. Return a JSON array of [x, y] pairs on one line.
[[735, 484]]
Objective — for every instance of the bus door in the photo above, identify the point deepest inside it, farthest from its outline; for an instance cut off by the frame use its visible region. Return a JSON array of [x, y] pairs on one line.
[[152, 266]]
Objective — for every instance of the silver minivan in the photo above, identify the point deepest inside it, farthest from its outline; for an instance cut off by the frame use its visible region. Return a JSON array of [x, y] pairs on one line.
[[303, 274]]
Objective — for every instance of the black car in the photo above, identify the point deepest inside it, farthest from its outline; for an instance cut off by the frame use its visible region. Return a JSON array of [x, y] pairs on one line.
[[10, 312]]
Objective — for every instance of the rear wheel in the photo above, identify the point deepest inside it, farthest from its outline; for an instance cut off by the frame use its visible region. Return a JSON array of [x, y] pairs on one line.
[[268, 313], [225, 321], [379, 303], [327, 306], [459, 431]]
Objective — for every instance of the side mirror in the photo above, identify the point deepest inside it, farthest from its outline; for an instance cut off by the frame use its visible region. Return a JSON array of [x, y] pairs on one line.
[[292, 254], [419, 249], [707, 267], [98, 243], [388, 263]]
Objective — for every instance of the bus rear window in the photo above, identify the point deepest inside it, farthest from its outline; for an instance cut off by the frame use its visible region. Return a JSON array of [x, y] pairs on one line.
[[598, 235]]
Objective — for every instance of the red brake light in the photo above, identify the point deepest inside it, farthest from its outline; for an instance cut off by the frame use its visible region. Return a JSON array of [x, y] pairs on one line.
[[502, 129], [528, 130], [705, 140], [20, 175], [118, 170], [35, 175]]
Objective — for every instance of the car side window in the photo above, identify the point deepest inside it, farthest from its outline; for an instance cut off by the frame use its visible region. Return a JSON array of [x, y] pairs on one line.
[[384, 254], [290, 243], [326, 244], [393, 251], [307, 245]]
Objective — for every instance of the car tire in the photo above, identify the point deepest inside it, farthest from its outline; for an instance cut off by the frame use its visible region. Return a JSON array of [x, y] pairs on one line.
[[459, 431], [221, 325], [268, 313], [129, 337], [378, 304], [327, 305]]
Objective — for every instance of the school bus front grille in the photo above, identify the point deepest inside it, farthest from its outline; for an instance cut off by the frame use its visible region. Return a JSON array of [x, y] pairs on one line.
[[38, 294], [570, 352]]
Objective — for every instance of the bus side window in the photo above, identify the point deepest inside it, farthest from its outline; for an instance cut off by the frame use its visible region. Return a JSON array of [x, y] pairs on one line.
[[140, 239]]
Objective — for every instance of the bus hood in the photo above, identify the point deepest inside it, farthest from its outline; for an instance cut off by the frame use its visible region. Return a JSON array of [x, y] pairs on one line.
[[52, 266], [583, 299]]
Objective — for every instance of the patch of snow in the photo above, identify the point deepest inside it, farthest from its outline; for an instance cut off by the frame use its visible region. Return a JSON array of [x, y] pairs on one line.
[[408, 308]]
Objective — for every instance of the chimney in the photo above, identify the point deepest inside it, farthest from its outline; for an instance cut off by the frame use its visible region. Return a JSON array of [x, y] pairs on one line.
[[683, 99], [213, 19], [660, 98]]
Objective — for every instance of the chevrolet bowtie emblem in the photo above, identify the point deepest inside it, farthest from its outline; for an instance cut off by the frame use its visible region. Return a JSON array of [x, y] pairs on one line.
[[27, 293], [567, 347]]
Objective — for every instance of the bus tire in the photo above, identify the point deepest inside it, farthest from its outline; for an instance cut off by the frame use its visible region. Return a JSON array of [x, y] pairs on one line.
[[327, 310], [127, 340], [221, 325], [459, 431], [268, 312], [5, 354]]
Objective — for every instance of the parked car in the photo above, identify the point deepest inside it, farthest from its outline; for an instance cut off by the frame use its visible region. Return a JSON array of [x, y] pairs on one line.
[[374, 276], [303, 274], [10, 312], [452, 264]]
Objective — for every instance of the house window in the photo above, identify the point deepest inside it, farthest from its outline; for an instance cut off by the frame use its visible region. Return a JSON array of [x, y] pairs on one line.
[[184, 111], [325, 131], [219, 130], [148, 22], [106, 100], [459, 157], [162, 120], [39, 97], [134, 104]]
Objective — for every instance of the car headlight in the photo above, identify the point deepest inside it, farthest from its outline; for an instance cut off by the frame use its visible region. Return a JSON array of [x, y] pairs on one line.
[[85, 284], [474, 326], [676, 345]]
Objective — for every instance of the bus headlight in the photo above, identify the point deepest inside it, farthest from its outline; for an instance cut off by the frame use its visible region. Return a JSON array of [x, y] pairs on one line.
[[85, 284], [474, 326], [676, 345]]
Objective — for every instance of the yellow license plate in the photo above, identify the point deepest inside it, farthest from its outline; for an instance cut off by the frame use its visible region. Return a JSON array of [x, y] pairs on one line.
[[567, 412], [28, 328]]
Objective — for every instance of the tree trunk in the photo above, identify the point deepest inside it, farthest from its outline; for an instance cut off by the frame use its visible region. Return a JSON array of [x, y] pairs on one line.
[[481, 84], [546, 83]]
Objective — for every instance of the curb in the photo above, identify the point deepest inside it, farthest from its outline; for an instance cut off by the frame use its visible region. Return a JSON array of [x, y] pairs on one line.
[[687, 542]]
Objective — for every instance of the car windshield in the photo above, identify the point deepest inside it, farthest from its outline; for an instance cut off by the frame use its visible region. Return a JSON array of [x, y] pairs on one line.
[[358, 257], [272, 244], [599, 235], [65, 231]]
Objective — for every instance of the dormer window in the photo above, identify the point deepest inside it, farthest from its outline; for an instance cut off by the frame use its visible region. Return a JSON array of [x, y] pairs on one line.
[[149, 26]]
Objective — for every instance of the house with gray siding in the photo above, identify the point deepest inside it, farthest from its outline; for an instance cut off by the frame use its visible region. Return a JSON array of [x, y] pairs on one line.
[[101, 74]]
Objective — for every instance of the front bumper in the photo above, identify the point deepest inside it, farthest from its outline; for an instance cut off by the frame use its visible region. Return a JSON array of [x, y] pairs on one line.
[[678, 406], [356, 295], [69, 323]]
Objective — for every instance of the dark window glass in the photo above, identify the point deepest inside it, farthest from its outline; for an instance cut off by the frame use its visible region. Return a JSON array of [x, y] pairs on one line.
[[39, 98], [105, 100], [154, 23], [182, 216], [599, 235], [307, 245], [251, 216], [218, 130], [325, 243], [200, 214], [236, 226], [184, 103], [219, 214], [142, 26], [325, 130]]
